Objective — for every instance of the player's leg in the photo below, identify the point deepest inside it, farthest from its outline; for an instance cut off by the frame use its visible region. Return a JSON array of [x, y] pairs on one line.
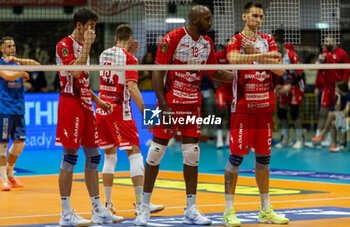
[[262, 144], [110, 161], [297, 119], [18, 136], [239, 146], [107, 140], [321, 136], [333, 136], [69, 116], [6, 122], [191, 152], [282, 112], [136, 175], [154, 157], [89, 141]]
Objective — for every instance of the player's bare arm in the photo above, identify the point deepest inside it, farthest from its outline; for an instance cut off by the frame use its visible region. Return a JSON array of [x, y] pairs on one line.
[[223, 76], [106, 106], [158, 85], [13, 75], [234, 57], [89, 39], [22, 61], [136, 95]]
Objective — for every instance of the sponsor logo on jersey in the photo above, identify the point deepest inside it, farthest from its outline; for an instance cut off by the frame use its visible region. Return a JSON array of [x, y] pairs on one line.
[[261, 76], [65, 52], [164, 47], [190, 77], [257, 96]]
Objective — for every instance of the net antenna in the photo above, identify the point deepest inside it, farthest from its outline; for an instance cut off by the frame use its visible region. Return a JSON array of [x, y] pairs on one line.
[[155, 15], [224, 20], [285, 15], [330, 17]]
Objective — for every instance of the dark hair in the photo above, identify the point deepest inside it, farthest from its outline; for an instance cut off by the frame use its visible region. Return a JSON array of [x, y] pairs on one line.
[[250, 5], [83, 15], [123, 32], [343, 86], [2, 41]]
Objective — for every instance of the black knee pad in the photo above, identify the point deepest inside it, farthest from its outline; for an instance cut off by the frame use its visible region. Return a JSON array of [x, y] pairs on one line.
[[263, 160], [295, 112], [235, 160], [282, 113]]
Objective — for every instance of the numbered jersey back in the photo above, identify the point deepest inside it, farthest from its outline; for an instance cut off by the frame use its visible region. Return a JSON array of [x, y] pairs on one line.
[[113, 84]]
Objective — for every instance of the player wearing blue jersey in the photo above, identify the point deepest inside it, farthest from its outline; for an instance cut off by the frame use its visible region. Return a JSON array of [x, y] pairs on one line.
[[11, 112]]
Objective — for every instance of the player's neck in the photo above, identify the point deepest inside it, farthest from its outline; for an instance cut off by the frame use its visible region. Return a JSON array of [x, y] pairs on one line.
[[249, 33], [76, 35], [124, 45], [193, 32]]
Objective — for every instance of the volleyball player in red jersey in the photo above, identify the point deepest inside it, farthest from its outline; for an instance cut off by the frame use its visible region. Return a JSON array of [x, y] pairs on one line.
[[180, 97], [76, 124], [251, 112]]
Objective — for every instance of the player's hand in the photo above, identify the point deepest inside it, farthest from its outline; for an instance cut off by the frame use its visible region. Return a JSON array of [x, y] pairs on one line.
[[11, 59], [323, 57], [286, 88], [106, 106], [317, 91], [273, 54], [89, 36], [248, 47], [168, 114], [25, 76], [135, 46]]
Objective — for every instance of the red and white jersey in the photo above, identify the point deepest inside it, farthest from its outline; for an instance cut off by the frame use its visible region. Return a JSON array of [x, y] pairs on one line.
[[290, 57], [179, 47], [67, 51], [113, 84], [253, 89], [331, 76]]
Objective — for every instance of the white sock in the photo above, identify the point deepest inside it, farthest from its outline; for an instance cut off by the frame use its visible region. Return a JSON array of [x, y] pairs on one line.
[[3, 173], [229, 202], [96, 203], [285, 133], [108, 193], [299, 133], [191, 200], [265, 201], [146, 197], [219, 134], [138, 194], [66, 206], [318, 132]]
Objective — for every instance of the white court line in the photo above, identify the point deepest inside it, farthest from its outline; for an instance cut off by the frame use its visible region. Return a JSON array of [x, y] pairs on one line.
[[181, 207]]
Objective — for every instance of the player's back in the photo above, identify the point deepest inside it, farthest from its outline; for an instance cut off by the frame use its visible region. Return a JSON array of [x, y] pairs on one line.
[[113, 84]]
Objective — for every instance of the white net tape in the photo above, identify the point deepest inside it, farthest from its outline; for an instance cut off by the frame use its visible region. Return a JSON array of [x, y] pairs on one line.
[[224, 21], [171, 67], [283, 14], [330, 16]]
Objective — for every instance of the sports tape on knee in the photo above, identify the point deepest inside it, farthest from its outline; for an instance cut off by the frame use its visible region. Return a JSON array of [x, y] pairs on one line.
[[262, 162], [231, 168], [190, 154], [92, 158], [109, 163], [69, 160], [136, 165], [155, 153]]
